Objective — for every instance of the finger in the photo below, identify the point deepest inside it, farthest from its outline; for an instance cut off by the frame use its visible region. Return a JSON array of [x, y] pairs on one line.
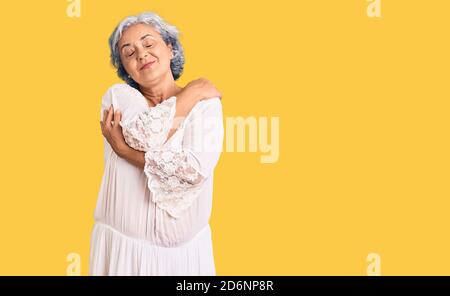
[[109, 116], [117, 117], [105, 114]]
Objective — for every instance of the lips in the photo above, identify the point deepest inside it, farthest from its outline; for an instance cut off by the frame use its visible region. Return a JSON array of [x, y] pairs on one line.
[[146, 66]]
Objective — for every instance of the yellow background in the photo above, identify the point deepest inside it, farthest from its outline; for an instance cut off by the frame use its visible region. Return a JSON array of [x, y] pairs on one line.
[[364, 143]]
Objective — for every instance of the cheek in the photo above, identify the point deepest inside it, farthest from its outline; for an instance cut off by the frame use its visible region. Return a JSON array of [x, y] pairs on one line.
[[128, 65], [164, 58]]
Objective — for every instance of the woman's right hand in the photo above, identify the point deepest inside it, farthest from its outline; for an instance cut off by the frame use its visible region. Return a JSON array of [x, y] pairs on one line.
[[202, 89]]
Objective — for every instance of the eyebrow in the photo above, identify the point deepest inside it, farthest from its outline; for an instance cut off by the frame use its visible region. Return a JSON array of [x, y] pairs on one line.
[[142, 38]]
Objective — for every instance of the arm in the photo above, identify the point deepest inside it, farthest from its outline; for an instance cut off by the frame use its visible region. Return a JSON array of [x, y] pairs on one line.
[[176, 174], [137, 158], [184, 104], [192, 93], [133, 156]]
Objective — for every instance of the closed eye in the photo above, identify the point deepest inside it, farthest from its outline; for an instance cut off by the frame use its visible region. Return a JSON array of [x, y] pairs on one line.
[[131, 54]]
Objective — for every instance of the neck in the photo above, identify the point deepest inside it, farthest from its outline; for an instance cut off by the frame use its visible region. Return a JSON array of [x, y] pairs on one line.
[[160, 90]]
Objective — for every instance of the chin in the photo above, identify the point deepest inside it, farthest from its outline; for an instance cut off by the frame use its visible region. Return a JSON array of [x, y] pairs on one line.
[[148, 80]]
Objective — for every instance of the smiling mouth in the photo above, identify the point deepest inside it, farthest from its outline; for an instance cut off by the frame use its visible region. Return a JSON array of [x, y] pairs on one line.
[[148, 65]]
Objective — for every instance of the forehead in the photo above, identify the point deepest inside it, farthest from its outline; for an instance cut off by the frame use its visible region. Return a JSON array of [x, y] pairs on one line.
[[135, 32]]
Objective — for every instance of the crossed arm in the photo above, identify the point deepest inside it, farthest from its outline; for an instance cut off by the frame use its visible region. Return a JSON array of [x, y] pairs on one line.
[[192, 93]]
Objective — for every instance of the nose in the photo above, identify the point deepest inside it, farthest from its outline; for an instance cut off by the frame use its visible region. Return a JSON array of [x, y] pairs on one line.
[[142, 55]]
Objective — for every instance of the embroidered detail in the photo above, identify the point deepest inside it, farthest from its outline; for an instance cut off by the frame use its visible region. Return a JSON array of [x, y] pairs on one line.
[[149, 129], [173, 180]]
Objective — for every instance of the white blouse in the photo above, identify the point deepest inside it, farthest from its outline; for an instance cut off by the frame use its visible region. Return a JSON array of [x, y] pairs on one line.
[[170, 201]]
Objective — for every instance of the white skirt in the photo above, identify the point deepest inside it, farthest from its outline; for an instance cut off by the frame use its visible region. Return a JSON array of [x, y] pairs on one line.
[[113, 253]]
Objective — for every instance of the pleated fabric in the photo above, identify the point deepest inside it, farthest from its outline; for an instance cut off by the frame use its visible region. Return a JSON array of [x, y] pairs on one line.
[[115, 254]]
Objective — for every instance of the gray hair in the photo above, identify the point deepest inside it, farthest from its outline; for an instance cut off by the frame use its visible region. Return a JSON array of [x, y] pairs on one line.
[[169, 34]]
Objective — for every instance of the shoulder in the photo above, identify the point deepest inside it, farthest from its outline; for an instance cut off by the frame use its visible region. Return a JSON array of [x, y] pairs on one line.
[[206, 109], [120, 88], [209, 106], [122, 96]]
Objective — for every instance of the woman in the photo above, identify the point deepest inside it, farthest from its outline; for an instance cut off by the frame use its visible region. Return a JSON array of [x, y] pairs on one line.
[[162, 143]]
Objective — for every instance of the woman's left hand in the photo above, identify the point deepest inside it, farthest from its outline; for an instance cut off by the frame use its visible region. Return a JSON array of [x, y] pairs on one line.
[[112, 131]]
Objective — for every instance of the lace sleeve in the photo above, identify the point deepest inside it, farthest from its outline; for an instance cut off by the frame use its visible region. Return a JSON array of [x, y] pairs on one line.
[[177, 175], [173, 178], [149, 129]]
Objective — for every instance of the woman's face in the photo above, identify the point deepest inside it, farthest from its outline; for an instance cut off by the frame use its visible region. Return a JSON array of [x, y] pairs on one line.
[[144, 54]]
